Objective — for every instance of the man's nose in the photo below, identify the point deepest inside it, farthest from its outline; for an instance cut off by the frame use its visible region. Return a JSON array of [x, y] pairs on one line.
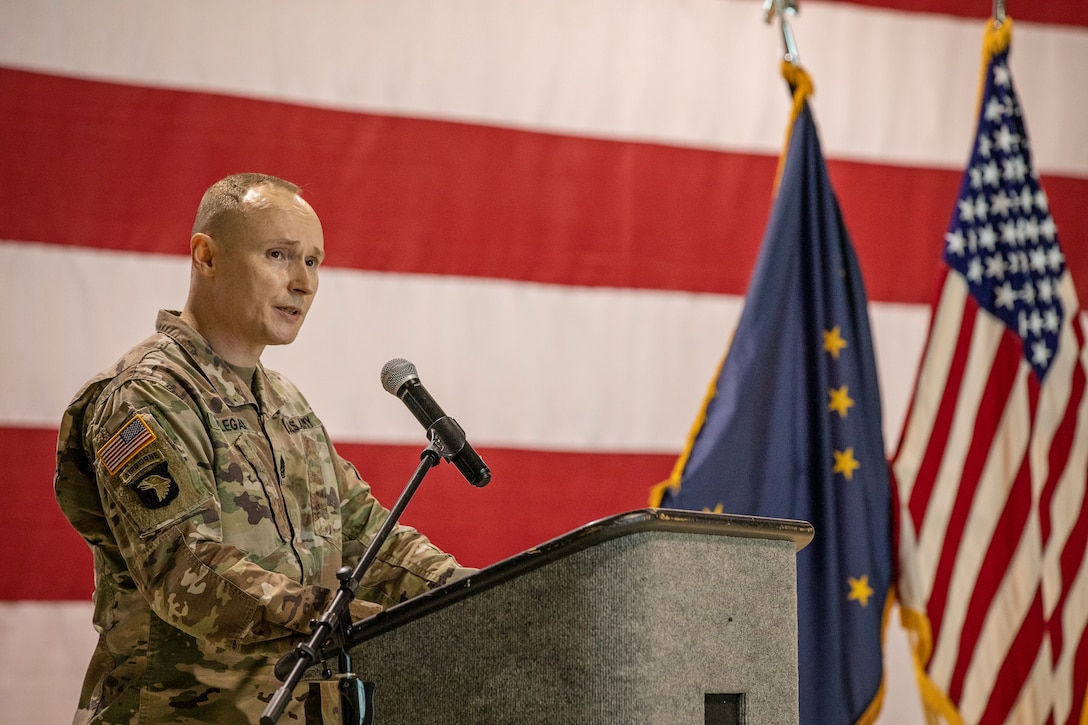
[[303, 278]]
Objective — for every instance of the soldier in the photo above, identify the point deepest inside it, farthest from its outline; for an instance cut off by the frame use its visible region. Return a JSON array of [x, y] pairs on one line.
[[215, 505]]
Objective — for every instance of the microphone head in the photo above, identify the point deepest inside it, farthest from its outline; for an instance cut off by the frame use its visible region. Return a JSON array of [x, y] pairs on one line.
[[396, 373]]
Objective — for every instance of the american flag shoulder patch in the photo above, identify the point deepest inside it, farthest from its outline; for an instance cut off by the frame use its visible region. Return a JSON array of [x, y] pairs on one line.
[[134, 436]]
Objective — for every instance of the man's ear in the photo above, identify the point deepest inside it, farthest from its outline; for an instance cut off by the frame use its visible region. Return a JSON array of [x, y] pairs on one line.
[[202, 251]]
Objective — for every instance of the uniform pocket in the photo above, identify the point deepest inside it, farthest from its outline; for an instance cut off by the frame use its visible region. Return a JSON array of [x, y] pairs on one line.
[[324, 492]]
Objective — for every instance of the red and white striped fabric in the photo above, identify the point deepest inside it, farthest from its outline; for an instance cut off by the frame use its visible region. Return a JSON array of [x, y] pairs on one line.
[[551, 207], [993, 465]]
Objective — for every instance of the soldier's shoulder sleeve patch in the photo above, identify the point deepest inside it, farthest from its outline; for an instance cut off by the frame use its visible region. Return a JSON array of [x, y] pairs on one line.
[[130, 439], [149, 477], [156, 488]]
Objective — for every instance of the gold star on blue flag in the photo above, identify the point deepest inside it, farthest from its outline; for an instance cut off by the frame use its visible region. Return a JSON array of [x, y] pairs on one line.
[[792, 429]]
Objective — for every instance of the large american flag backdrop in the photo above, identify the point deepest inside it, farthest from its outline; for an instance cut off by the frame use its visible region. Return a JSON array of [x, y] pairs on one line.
[[551, 207]]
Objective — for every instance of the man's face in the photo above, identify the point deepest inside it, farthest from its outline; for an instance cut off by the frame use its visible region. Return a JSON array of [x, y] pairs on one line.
[[266, 274]]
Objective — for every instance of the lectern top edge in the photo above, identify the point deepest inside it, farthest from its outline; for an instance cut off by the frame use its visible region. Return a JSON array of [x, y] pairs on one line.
[[591, 534], [703, 522]]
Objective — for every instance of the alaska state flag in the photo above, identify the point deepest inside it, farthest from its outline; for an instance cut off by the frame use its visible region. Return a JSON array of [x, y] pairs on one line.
[[792, 429]]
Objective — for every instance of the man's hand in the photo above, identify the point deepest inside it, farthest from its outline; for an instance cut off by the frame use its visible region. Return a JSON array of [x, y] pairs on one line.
[[359, 609]]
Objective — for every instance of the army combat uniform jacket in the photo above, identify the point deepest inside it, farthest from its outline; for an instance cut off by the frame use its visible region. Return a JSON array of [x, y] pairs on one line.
[[217, 514]]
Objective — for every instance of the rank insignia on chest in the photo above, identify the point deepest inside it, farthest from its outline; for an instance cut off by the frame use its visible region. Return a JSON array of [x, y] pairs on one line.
[[133, 437]]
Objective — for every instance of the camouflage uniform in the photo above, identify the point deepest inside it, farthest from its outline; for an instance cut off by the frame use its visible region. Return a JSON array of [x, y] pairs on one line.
[[217, 516]]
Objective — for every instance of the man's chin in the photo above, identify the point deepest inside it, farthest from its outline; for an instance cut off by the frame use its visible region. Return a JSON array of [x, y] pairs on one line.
[[284, 340], [285, 336]]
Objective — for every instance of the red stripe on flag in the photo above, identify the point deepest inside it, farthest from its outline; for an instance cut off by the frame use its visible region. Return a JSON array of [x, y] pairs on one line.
[[1069, 12], [526, 503], [394, 194], [1080, 678], [410, 195], [43, 555]]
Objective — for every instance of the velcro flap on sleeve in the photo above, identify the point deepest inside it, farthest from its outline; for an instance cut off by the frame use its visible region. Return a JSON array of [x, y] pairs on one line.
[[149, 478]]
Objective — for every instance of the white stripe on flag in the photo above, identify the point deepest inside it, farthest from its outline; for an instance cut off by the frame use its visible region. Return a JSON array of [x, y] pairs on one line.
[[584, 340]]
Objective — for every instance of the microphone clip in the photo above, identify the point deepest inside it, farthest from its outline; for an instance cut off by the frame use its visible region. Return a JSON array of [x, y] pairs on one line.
[[447, 436]]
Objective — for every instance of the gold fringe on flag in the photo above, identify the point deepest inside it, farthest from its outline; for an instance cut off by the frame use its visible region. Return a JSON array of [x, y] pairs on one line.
[[801, 85]]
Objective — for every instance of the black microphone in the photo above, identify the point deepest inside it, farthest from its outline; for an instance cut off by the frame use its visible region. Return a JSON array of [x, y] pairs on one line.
[[400, 378]]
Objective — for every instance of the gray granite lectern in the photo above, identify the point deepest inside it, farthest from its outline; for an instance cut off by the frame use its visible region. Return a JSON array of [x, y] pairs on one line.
[[653, 616]]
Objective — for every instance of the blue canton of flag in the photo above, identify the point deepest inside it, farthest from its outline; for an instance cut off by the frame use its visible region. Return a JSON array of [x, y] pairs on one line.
[[1002, 237], [793, 430]]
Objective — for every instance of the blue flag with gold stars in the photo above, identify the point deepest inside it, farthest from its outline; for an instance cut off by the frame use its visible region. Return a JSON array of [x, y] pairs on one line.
[[792, 429]]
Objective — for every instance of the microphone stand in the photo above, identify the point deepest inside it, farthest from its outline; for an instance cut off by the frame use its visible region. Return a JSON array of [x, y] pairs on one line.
[[291, 666]]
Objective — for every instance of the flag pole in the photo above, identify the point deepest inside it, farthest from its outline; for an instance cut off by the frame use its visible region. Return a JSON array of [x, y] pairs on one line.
[[783, 10], [999, 13]]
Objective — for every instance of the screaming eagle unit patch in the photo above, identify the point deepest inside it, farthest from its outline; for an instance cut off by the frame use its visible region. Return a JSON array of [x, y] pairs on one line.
[[147, 475]]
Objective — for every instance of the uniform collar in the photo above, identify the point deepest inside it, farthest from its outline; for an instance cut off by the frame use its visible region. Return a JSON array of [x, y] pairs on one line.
[[235, 391]]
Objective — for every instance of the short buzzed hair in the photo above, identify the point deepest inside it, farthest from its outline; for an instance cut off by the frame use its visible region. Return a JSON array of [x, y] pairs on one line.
[[222, 207]]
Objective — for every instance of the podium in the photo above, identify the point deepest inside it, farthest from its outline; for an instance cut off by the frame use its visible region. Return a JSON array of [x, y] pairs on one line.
[[652, 616]]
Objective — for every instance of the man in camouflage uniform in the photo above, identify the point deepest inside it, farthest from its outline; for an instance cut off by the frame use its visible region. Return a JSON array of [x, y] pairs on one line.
[[214, 503]]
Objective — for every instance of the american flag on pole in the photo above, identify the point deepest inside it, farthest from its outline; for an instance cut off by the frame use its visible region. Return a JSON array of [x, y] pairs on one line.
[[992, 464]]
